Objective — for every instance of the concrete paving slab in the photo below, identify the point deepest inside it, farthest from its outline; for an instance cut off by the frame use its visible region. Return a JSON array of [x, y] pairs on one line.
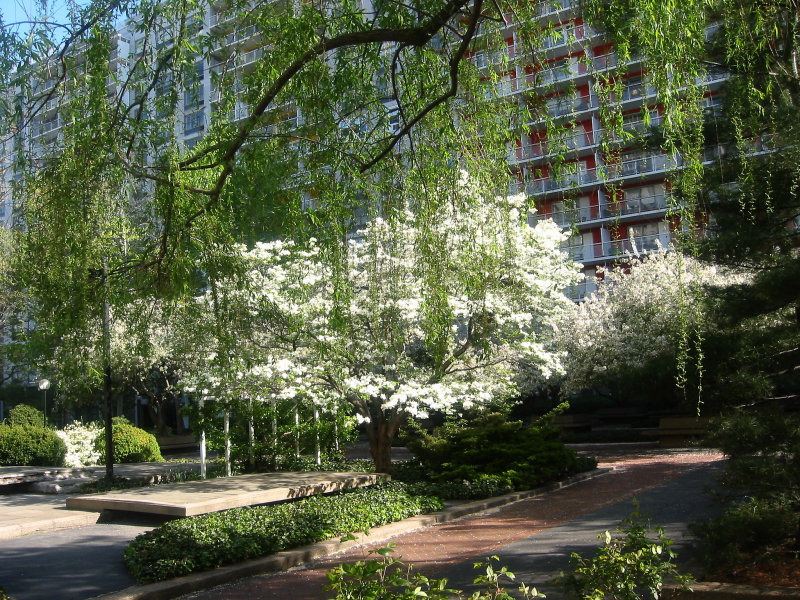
[[24, 514], [198, 497]]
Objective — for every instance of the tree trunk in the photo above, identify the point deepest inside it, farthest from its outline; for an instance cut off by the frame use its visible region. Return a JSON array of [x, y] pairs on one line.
[[381, 431], [179, 428], [107, 377]]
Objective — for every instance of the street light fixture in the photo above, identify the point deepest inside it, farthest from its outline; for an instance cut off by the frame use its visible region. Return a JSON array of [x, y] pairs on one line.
[[44, 385]]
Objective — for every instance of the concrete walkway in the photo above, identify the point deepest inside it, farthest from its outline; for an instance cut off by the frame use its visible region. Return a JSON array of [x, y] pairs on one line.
[[28, 513]]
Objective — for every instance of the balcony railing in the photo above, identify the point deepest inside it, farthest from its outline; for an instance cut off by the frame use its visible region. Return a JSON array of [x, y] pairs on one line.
[[657, 163], [616, 249], [551, 7], [571, 216], [39, 129], [631, 206], [576, 141], [567, 181], [579, 291], [640, 166]]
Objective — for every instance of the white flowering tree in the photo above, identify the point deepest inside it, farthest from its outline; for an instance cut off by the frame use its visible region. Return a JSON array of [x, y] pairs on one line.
[[643, 330], [391, 342]]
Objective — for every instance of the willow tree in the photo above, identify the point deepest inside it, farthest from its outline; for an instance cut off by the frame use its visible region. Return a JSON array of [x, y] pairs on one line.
[[77, 231]]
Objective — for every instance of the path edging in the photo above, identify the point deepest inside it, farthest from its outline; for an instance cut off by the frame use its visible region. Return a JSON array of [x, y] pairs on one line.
[[281, 561], [714, 590]]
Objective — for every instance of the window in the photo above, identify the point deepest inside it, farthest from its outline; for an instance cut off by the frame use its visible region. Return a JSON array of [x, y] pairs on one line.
[[193, 123], [646, 197]]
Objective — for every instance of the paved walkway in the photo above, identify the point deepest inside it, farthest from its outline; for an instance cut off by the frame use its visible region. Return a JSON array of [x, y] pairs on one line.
[[24, 514], [534, 537], [87, 561]]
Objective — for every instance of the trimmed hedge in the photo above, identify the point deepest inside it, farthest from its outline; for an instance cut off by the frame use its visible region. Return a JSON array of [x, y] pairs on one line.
[[27, 445], [208, 541], [24, 414], [131, 444]]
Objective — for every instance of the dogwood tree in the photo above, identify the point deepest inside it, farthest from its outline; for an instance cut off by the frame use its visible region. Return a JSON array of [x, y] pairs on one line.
[[629, 336], [377, 337]]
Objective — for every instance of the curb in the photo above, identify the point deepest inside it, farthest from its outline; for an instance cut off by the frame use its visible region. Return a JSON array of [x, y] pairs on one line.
[[713, 590], [281, 561]]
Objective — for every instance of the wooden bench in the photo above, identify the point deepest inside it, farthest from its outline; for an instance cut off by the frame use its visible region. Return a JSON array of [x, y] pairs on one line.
[[174, 443], [577, 423], [674, 432]]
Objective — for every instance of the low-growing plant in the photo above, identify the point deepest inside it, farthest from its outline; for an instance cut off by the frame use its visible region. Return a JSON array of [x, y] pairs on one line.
[[215, 539], [24, 414], [131, 444], [389, 578], [329, 462], [28, 445], [630, 565], [484, 486]]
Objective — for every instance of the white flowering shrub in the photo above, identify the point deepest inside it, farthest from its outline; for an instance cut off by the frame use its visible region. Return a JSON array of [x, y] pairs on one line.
[[79, 438], [628, 336]]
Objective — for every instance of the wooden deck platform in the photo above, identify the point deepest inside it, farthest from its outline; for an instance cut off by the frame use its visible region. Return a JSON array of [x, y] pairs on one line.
[[199, 497]]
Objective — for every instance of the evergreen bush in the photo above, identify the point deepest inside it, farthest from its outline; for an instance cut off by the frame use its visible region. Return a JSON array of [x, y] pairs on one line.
[[506, 452], [131, 444], [24, 414], [28, 445]]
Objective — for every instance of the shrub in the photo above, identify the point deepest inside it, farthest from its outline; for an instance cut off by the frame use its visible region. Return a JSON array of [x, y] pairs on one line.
[[630, 565], [79, 439], [492, 446], [762, 480], [387, 577], [215, 539], [485, 486], [131, 444], [742, 531], [27, 445], [24, 414]]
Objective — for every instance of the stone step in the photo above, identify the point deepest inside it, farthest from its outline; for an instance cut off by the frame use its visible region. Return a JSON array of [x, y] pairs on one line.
[[61, 485]]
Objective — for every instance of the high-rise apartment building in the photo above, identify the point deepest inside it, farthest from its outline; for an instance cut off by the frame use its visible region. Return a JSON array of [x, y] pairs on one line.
[[613, 203]]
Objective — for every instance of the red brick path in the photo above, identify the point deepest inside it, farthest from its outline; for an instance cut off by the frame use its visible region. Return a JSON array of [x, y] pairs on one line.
[[474, 537]]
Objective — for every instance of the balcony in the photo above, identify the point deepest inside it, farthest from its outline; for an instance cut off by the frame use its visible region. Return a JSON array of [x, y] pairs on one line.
[[644, 204], [571, 216], [239, 61], [556, 74], [645, 165], [616, 249], [552, 7], [576, 141], [579, 291], [45, 127], [484, 58], [567, 181]]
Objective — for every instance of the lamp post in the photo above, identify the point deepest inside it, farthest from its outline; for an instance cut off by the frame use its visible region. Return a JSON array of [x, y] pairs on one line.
[[44, 385]]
